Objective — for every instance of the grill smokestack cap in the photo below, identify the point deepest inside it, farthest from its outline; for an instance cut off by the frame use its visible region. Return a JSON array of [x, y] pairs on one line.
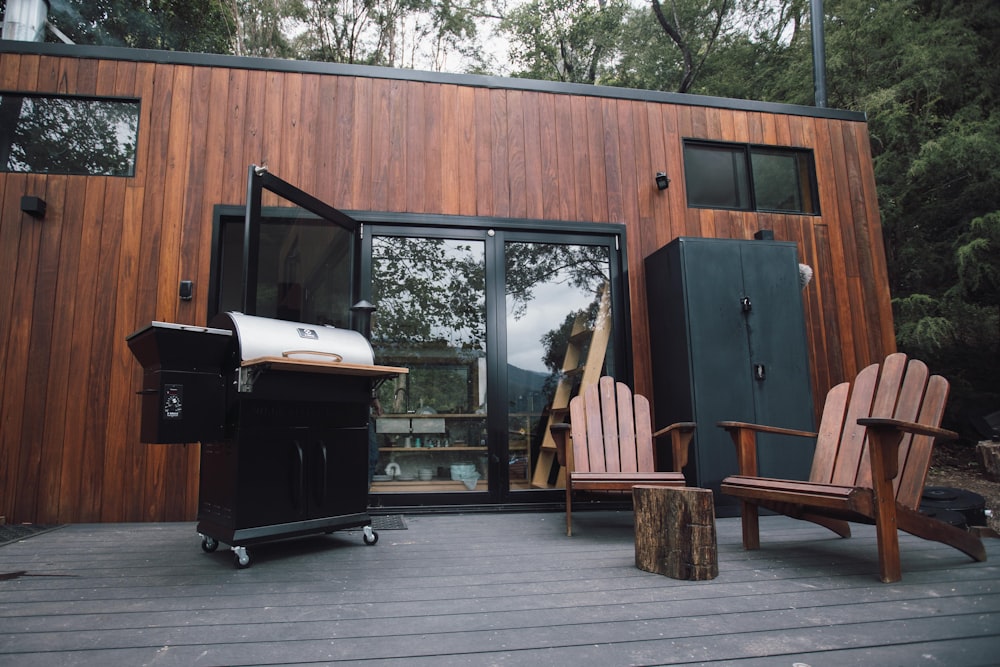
[[24, 20]]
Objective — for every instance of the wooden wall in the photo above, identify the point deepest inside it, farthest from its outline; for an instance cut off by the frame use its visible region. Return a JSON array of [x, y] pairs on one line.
[[109, 254]]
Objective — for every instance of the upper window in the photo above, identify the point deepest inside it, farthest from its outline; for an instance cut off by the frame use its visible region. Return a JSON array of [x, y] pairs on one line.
[[750, 178], [49, 134]]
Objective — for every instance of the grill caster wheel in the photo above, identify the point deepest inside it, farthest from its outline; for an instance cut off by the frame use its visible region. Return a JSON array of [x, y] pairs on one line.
[[209, 544], [241, 558], [370, 537]]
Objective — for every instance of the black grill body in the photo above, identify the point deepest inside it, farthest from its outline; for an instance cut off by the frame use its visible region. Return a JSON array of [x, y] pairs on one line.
[[284, 435]]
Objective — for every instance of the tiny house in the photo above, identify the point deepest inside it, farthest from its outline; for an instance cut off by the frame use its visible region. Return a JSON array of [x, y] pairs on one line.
[[490, 221]]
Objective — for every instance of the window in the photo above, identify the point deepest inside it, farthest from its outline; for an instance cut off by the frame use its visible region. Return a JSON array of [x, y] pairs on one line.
[[68, 135], [750, 178]]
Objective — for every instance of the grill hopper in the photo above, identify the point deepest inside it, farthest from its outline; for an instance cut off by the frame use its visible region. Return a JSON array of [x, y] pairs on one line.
[[183, 388]]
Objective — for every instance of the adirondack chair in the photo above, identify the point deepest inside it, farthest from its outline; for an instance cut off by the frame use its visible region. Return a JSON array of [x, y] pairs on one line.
[[872, 454], [612, 443]]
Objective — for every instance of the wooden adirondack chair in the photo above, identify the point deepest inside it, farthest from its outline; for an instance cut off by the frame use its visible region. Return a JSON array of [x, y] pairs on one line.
[[612, 443], [872, 454]]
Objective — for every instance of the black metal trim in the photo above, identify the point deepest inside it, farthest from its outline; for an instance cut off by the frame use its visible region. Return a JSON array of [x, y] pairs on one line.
[[370, 71]]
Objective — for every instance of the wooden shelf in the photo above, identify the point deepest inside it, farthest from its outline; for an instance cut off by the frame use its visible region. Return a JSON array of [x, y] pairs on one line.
[[418, 450], [430, 486]]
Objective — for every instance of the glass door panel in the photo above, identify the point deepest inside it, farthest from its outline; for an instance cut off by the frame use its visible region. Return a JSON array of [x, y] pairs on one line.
[[431, 425], [558, 330]]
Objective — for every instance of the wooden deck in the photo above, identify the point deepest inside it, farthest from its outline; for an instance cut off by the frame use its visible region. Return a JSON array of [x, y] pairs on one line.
[[489, 589]]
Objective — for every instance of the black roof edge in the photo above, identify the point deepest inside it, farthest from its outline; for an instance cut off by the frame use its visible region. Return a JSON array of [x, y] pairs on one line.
[[370, 71]]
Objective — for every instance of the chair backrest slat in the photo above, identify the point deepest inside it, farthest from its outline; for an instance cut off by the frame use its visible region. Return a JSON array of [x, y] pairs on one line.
[[611, 429], [828, 437], [898, 388], [915, 460], [852, 437]]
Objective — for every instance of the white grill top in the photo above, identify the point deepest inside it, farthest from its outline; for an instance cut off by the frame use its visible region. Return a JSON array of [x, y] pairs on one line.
[[263, 337]]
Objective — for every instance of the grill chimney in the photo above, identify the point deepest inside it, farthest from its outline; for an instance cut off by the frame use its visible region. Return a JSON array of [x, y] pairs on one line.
[[24, 20]]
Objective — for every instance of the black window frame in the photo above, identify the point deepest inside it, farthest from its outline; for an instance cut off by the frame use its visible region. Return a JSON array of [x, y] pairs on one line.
[[747, 190]]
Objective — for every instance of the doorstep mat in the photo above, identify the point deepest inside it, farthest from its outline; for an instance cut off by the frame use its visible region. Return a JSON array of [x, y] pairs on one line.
[[388, 522], [16, 532]]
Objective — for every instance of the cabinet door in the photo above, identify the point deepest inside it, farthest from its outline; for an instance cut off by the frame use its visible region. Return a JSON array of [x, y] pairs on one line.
[[721, 385], [778, 356]]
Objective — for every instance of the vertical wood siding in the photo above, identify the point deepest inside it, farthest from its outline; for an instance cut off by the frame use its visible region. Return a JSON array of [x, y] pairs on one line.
[[110, 252]]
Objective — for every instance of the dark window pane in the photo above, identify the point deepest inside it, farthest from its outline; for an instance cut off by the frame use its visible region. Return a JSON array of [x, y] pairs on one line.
[[68, 135], [716, 176], [781, 180]]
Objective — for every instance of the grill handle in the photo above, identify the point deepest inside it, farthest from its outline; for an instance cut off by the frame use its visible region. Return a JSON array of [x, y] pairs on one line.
[[334, 357]]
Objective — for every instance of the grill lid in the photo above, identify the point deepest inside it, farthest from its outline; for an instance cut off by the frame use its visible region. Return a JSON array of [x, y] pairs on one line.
[[263, 337]]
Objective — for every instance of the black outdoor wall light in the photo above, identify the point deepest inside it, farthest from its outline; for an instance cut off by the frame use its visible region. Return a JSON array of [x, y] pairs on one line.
[[33, 206], [662, 182]]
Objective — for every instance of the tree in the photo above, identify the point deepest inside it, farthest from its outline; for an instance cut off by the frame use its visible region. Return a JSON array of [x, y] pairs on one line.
[[563, 40], [173, 25], [392, 33]]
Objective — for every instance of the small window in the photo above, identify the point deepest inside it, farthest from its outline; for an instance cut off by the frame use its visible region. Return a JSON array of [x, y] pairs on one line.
[[68, 135], [750, 178]]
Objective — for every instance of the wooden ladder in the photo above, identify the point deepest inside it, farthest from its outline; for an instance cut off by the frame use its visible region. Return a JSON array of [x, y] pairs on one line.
[[589, 373]]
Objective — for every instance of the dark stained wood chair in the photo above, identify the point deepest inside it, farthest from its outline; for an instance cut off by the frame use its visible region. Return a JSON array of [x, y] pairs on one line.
[[611, 443], [872, 454]]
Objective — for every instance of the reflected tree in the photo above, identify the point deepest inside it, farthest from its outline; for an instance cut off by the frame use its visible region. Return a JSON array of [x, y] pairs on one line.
[[68, 135]]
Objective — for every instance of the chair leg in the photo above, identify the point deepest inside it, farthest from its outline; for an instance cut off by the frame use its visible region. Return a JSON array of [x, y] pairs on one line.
[[928, 528], [751, 525], [569, 508], [884, 466]]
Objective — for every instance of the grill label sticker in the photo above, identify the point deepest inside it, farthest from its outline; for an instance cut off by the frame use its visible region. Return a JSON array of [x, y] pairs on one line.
[[311, 334]]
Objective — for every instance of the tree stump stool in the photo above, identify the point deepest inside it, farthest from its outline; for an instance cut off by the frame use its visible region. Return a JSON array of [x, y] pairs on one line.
[[675, 532]]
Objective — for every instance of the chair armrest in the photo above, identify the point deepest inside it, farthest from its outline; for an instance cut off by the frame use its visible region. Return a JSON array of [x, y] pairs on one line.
[[680, 434], [760, 428], [560, 433], [909, 427], [884, 436], [744, 436]]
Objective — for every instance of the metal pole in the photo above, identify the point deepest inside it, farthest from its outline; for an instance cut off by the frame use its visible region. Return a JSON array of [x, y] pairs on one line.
[[819, 51]]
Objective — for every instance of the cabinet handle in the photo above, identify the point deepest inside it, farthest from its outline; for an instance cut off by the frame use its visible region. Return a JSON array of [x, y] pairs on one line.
[[759, 372], [747, 306], [298, 489], [323, 476]]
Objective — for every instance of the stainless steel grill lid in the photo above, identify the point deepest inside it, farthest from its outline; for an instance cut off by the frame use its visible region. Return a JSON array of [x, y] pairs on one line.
[[263, 337]]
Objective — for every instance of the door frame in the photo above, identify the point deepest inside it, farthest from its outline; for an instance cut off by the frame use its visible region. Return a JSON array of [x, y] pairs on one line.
[[495, 232]]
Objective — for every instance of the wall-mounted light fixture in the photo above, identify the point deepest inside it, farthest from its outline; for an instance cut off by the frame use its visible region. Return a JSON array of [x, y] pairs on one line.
[[33, 206], [662, 182]]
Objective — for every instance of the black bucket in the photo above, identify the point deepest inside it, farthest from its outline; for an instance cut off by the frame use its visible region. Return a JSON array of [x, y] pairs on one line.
[[936, 500]]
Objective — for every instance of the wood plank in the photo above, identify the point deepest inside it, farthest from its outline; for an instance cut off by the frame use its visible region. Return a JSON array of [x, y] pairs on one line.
[[500, 153], [581, 160], [612, 188], [517, 152], [534, 156], [466, 165], [484, 142], [116, 593], [416, 159]]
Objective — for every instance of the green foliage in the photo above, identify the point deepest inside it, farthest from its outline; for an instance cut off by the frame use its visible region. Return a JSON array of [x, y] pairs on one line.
[[173, 25], [563, 40]]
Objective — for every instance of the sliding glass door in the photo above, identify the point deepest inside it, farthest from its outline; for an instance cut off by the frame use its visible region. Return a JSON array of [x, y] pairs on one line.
[[499, 328]]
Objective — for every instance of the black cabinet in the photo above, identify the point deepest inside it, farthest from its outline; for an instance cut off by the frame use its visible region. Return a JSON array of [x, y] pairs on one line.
[[288, 468], [728, 339]]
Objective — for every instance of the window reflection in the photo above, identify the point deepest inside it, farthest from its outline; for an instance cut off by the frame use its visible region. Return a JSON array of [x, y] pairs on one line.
[[68, 135], [431, 318], [558, 334]]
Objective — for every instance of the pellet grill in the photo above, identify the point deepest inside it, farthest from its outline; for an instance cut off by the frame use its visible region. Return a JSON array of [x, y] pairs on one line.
[[281, 410]]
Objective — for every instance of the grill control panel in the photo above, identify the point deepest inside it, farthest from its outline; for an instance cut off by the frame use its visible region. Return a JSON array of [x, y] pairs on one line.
[[173, 401]]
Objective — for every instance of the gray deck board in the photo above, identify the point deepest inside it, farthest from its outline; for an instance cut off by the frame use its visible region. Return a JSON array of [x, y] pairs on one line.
[[489, 589]]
